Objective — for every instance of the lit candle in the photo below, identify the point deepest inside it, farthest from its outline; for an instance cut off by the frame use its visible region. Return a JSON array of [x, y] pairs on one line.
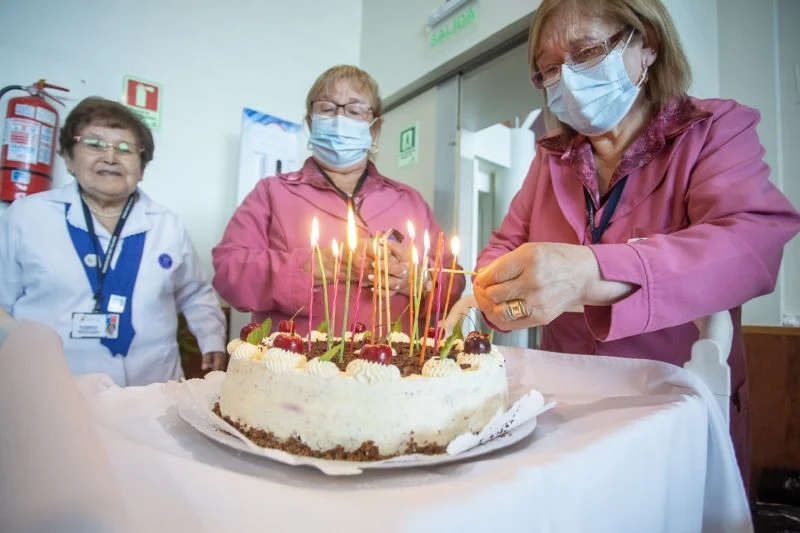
[[437, 264], [335, 249], [351, 245], [314, 240], [426, 246], [412, 326], [358, 296], [386, 278], [454, 247]]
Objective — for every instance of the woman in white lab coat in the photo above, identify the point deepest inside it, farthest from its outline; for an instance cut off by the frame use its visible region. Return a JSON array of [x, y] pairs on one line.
[[104, 265]]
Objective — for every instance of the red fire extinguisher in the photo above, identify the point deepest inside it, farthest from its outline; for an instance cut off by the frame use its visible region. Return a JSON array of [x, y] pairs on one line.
[[29, 141]]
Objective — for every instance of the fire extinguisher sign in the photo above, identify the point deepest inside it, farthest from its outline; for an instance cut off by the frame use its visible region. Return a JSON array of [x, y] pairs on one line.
[[143, 98]]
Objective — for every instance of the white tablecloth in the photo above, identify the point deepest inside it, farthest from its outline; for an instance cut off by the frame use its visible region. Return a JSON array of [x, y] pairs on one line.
[[632, 446]]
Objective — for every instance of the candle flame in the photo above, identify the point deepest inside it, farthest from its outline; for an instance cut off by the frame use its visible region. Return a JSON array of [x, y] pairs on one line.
[[335, 248], [352, 241], [314, 231], [426, 240], [454, 245], [414, 256], [411, 232]]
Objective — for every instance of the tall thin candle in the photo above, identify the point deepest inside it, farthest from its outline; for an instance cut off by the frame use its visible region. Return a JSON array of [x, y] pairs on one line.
[[314, 240], [336, 259], [387, 288], [358, 296], [437, 264], [455, 245], [374, 294], [412, 291], [351, 245]]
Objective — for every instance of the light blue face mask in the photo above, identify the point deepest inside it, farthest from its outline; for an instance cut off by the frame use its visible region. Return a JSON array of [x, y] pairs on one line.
[[339, 141], [595, 100]]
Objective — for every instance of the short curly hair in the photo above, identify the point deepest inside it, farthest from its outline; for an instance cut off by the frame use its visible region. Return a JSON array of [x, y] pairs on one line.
[[102, 112]]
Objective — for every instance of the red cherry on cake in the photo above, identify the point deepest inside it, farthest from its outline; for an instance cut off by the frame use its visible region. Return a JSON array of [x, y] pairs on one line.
[[377, 353], [286, 326], [478, 343], [359, 327], [290, 343], [245, 331]]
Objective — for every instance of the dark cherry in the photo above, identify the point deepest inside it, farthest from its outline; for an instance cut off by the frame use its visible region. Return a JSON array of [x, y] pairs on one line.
[[477, 343], [287, 326], [432, 332], [359, 327], [377, 353], [245, 331], [291, 343]]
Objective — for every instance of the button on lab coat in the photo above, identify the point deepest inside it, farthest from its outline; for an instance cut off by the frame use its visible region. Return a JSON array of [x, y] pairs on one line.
[[43, 279]]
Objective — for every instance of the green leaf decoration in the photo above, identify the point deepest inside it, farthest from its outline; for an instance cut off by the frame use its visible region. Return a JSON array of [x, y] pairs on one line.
[[458, 331], [255, 336], [266, 327], [327, 356], [448, 345], [397, 327], [491, 335], [323, 327]]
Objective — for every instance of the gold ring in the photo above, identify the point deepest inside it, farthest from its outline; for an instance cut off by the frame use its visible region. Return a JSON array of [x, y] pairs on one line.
[[515, 309]]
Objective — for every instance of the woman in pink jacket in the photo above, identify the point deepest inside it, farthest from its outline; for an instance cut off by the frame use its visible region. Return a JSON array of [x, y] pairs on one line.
[[263, 263], [647, 207]]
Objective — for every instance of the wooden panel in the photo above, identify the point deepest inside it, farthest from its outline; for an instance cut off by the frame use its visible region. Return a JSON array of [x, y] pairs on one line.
[[773, 364]]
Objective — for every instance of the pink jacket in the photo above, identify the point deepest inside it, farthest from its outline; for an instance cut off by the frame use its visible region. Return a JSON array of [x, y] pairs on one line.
[[258, 264], [712, 230]]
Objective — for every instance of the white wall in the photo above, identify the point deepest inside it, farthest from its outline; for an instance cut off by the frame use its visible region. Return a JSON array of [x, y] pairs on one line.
[[759, 71], [212, 59], [395, 46]]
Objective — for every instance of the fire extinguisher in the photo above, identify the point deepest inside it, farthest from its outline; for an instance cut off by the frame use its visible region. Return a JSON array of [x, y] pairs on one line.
[[29, 141]]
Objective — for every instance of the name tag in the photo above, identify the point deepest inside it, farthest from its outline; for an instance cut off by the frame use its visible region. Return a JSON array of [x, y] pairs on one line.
[[94, 326]]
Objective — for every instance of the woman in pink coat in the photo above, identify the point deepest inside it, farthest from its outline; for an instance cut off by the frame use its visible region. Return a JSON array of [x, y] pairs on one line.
[[646, 207], [263, 263]]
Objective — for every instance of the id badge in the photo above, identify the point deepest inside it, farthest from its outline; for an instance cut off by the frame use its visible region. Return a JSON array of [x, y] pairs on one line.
[[94, 326]]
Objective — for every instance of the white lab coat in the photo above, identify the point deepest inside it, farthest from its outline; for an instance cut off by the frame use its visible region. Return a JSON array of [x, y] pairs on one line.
[[42, 279]]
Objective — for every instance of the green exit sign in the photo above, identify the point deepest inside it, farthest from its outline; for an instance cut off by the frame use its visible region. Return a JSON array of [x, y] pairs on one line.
[[455, 25]]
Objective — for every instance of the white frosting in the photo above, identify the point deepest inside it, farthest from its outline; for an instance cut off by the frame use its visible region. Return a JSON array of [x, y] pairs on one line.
[[235, 343], [360, 336], [247, 351], [317, 336], [340, 409], [468, 358], [398, 336], [280, 360], [441, 368], [370, 372], [318, 367], [267, 341]]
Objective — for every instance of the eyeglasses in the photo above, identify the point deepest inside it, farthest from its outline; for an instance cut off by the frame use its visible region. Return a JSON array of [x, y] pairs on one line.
[[100, 146], [581, 60], [354, 110]]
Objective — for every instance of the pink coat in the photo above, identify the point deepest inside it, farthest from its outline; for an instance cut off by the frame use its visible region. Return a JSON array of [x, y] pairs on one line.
[[712, 230], [258, 263]]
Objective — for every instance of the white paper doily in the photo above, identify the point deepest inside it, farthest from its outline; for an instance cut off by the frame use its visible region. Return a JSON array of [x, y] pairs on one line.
[[195, 397]]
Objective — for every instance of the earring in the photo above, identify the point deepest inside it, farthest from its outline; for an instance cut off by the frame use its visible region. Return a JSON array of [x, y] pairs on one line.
[[374, 148]]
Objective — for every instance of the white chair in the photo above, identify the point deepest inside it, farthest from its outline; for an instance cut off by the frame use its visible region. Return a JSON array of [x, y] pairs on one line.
[[709, 359], [709, 356]]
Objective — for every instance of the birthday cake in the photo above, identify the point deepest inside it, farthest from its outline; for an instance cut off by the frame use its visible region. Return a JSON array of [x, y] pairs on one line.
[[365, 401]]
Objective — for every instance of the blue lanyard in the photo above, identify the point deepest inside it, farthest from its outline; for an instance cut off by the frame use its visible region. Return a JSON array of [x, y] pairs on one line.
[[102, 270], [611, 206]]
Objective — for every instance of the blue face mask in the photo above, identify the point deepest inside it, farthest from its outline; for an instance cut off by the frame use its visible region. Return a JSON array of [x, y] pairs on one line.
[[339, 141], [595, 100]]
